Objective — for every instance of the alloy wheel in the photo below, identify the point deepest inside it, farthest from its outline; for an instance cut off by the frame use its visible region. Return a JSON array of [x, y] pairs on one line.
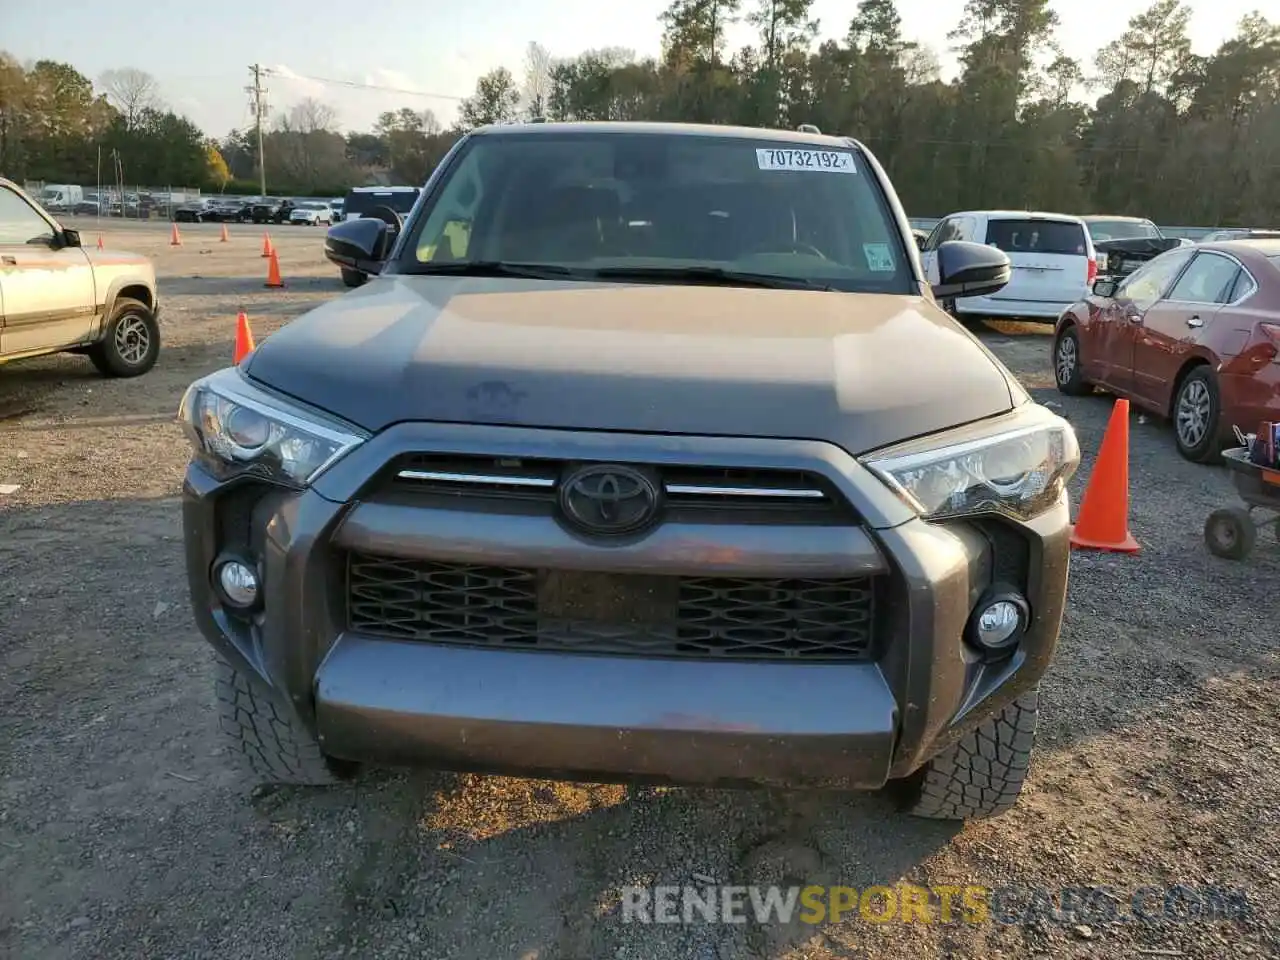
[[1193, 412], [1065, 365], [132, 339]]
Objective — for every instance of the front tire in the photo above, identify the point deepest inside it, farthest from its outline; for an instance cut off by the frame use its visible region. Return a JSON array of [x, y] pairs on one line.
[[353, 278], [276, 747], [130, 343], [982, 775], [1066, 364], [1196, 410]]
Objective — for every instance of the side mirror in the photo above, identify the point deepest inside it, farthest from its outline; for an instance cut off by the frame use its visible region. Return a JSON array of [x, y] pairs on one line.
[[360, 244], [1105, 288], [968, 269], [70, 238], [921, 240]]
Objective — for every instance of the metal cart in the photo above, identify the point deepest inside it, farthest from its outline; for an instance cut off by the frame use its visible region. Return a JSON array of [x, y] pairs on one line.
[[1232, 531]]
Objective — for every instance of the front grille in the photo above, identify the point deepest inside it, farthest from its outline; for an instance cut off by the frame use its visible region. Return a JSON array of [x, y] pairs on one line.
[[695, 493], [730, 618]]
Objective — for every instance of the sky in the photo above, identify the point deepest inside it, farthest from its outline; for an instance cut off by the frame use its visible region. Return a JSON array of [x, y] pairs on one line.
[[430, 54]]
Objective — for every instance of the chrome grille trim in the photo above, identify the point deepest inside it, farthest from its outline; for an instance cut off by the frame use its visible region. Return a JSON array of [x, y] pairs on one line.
[[796, 493], [477, 479]]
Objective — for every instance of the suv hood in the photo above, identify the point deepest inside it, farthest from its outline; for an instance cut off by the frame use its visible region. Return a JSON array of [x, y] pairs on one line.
[[857, 370]]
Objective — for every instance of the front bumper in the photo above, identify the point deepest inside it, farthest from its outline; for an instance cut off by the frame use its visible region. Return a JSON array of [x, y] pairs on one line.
[[598, 717]]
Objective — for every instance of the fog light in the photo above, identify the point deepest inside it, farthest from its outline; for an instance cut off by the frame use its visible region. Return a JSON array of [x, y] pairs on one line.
[[998, 622], [238, 583]]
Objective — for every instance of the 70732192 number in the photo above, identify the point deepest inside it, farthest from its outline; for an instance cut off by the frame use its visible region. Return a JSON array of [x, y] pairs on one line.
[[806, 160]]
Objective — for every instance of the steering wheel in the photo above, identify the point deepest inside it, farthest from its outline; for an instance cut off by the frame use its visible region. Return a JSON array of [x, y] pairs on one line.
[[796, 246]]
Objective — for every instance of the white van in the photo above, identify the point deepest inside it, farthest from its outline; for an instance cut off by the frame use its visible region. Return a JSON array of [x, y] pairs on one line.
[[61, 197], [1052, 254]]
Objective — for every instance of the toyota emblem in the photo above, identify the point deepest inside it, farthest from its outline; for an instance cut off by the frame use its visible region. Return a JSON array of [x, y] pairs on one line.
[[609, 499]]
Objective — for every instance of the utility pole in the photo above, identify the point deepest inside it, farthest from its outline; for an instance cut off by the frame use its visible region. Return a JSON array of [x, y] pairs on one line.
[[259, 111]]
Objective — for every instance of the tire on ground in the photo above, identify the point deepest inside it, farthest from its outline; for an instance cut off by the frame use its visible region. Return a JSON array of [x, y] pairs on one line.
[[106, 353], [276, 747], [1074, 385], [1230, 533], [982, 775], [353, 278], [1209, 449]]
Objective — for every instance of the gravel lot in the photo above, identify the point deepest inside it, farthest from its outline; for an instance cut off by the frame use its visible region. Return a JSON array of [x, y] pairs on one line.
[[127, 831]]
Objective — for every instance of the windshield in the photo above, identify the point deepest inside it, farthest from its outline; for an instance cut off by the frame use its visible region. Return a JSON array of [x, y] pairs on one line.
[[1123, 230], [661, 203], [401, 201], [311, 206]]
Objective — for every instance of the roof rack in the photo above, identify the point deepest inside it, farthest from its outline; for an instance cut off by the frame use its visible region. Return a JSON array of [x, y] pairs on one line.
[[807, 128]]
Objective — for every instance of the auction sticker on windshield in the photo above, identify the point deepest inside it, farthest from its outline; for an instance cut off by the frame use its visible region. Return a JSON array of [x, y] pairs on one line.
[[879, 259], [819, 161]]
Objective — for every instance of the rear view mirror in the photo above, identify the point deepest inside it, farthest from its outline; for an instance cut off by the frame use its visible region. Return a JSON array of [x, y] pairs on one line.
[[970, 270], [359, 244]]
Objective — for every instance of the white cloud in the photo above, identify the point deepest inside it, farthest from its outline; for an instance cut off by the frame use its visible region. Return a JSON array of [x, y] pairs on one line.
[[358, 97]]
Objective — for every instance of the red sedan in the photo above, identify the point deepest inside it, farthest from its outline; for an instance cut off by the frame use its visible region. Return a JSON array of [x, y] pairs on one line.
[[1193, 335]]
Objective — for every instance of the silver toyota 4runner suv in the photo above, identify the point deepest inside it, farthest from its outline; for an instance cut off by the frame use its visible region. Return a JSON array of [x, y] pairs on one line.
[[645, 455], [58, 297]]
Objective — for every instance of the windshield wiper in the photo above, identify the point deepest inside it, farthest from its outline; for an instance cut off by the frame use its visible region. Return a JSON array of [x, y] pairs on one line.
[[713, 275], [493, 268]]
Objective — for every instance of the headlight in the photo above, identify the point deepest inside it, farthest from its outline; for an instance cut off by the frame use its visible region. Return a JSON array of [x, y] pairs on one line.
[[236, 429], [1018, 471]]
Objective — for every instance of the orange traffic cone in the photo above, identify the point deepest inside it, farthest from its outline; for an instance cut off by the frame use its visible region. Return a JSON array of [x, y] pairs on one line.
[[175, 240], [224, 233], [266, 244], [1103, 523], [100, 247], [273, 271], [244, 338]]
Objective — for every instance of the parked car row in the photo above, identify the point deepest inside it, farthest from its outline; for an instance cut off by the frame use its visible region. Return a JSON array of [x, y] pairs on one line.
[[1055, 257], [259, 210]]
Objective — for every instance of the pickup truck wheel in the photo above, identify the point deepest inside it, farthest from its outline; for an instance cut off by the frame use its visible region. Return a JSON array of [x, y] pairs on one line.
[[130, 343], [273, 743], [353, 278], [982, 775]]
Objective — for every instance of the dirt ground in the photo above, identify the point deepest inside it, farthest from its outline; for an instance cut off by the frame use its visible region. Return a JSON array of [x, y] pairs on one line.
[[127, 831]]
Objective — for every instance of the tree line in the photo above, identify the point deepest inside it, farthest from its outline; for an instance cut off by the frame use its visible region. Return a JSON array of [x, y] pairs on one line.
[[1144, 127]]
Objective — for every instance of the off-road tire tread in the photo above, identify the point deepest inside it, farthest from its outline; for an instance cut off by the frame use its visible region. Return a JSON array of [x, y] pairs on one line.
[[276, 748], [982, 775]]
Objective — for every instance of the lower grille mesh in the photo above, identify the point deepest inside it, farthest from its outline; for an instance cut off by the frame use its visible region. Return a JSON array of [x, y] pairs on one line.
[[618, 614]]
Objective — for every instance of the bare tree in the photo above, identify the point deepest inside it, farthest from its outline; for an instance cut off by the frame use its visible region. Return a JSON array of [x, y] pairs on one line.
[[537, 79], [307, 144], [309, 116], [131, 91]]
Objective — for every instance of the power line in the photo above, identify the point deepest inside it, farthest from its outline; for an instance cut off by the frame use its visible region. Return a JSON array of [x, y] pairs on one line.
[[362, 86]]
